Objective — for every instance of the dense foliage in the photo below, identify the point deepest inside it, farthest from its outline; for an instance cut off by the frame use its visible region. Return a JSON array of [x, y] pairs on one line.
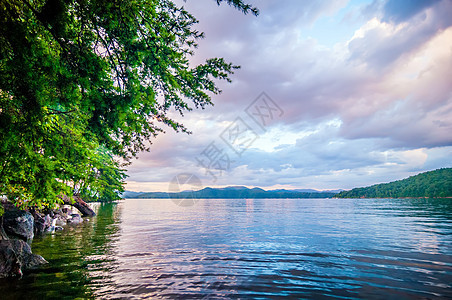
[[85, 84], [436, 183]]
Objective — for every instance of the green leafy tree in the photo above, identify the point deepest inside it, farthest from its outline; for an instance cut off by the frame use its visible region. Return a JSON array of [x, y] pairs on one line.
[[437, 183], [85, 83]]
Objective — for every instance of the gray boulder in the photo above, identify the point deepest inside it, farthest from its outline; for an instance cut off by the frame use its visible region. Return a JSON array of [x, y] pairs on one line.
[[19, 224], [75, 219], [41, 223], [16, 256], [61, 220], [51, 228]]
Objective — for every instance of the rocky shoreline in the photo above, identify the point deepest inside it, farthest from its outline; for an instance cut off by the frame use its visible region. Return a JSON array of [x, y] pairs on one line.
[[18, 228]]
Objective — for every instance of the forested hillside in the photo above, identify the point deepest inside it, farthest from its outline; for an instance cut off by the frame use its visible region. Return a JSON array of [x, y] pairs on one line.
[[233, 192], [437, 183]]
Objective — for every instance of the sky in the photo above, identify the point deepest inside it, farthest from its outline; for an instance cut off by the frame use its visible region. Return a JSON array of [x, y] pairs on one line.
[[330, 95]]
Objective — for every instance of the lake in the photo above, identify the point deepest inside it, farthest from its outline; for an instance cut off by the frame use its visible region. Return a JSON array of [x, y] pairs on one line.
[[266, 248]]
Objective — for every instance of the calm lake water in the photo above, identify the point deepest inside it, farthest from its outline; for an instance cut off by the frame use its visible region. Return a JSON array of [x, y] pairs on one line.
[[303, 248]]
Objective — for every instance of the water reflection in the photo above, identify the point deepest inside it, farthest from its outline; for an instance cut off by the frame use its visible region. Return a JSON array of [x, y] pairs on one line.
[[80, 259], [302, 248]]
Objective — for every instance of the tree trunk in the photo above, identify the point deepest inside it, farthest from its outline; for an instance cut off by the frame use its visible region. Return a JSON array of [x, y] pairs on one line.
[[81, 205]]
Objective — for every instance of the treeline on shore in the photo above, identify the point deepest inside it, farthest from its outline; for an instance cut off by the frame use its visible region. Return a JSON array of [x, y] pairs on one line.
[[233, 193], [432, 184]]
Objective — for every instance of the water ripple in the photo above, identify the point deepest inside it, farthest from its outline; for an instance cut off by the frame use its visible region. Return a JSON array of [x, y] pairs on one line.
[[322, 249]]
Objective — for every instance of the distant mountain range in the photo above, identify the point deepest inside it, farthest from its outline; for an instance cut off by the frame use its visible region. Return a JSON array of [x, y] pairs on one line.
[[437, 183], [433, 184], [234, 192]]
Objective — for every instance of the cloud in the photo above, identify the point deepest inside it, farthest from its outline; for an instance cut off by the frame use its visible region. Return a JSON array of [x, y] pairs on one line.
[[379, 43], [412, 103], [374, 107], [399, 11]]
